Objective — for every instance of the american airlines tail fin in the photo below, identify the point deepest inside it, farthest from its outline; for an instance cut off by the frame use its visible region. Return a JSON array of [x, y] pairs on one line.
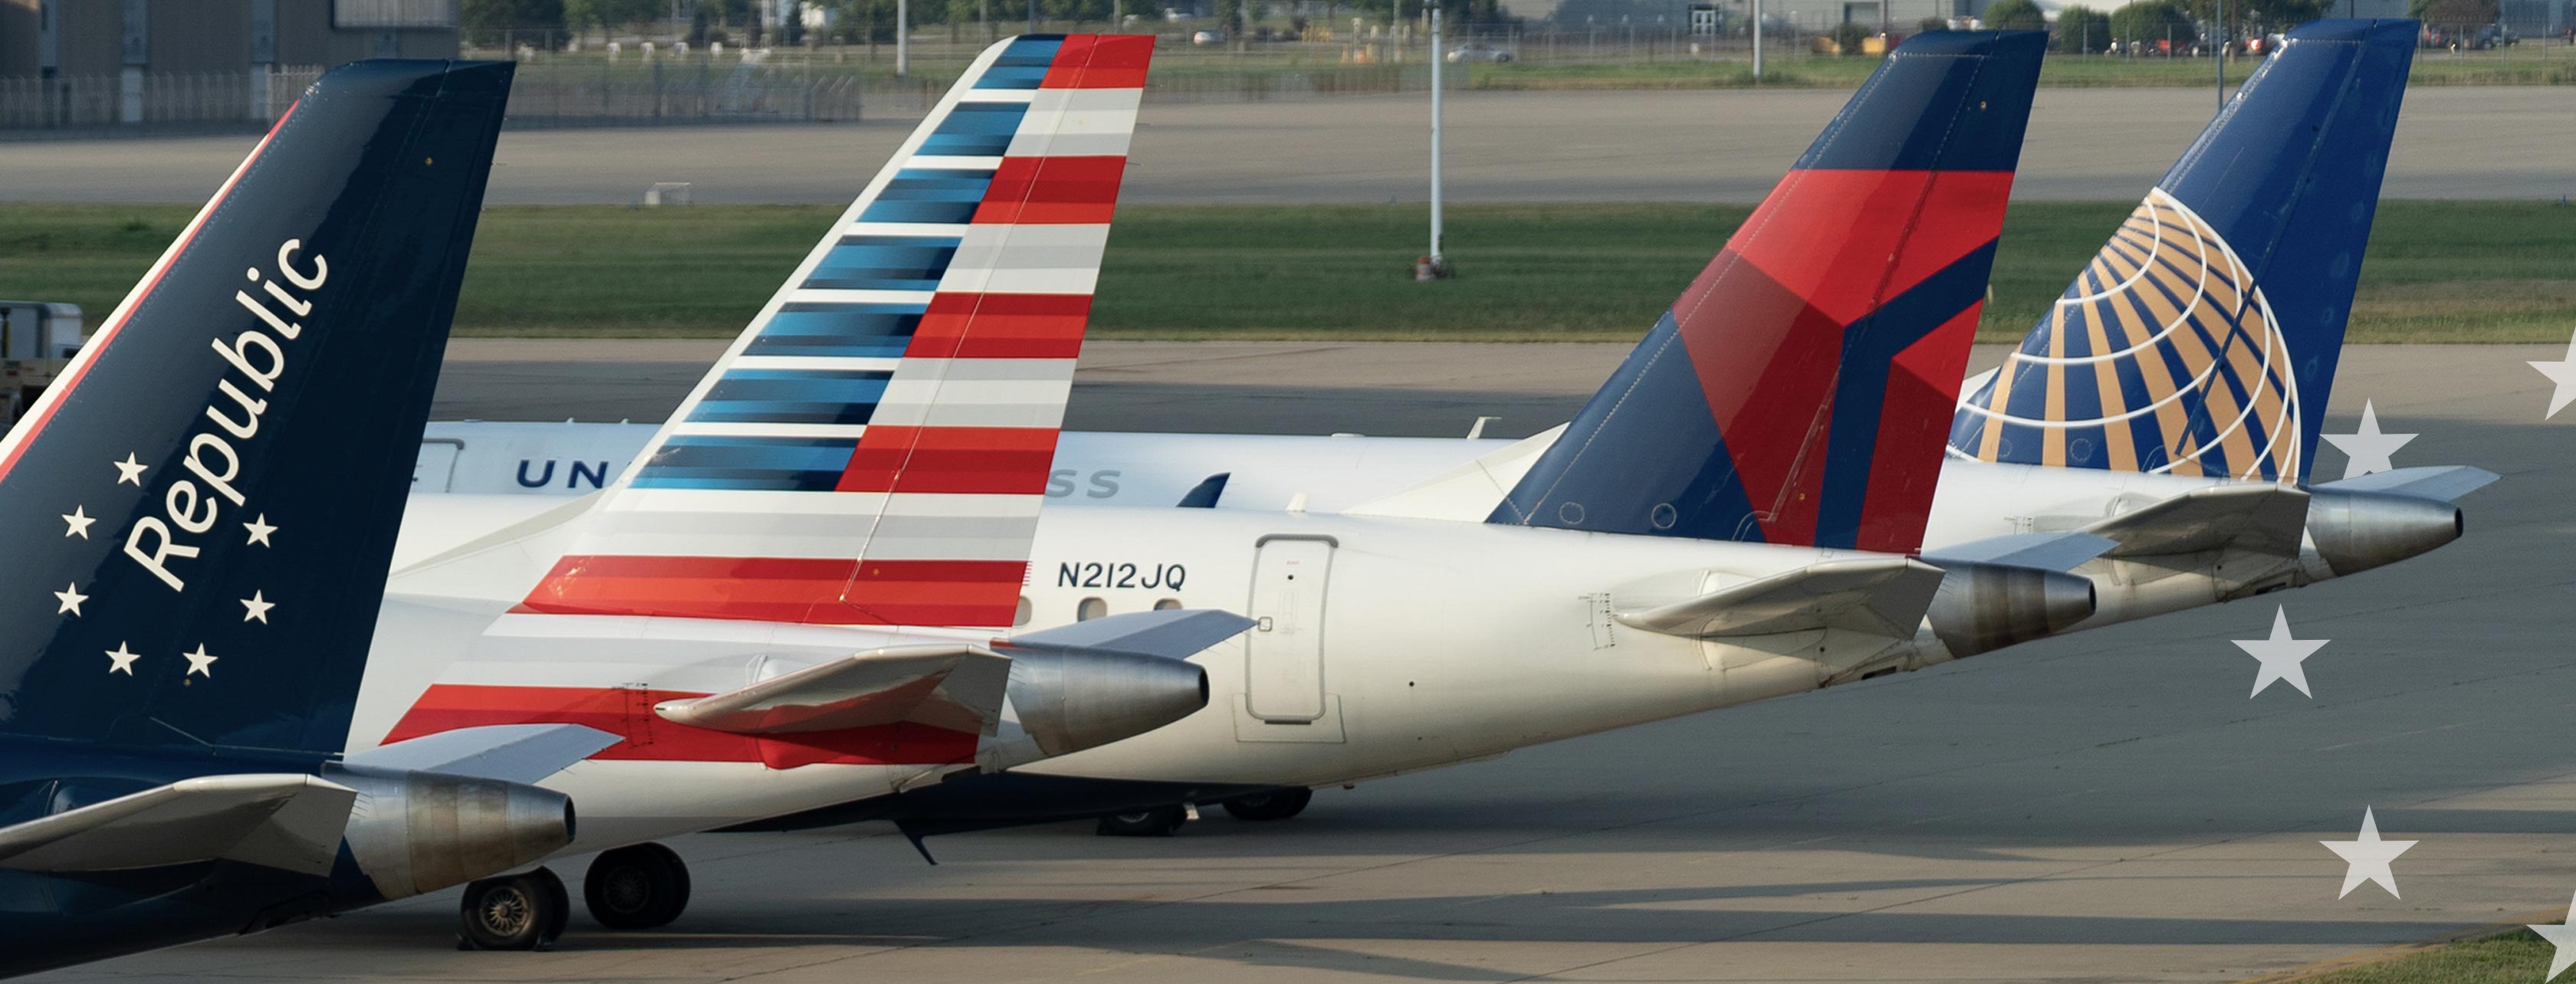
[[204, 504], [874, 447], [1798, 391], [2202, 340]]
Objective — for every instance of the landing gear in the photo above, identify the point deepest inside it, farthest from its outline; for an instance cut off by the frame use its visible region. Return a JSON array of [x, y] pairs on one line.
[[1160, 821], [1277, 804], [514, 912], [637, 887]]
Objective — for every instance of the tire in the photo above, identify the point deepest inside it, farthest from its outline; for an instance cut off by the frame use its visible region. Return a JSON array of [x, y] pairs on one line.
[[1278, 804], [517, 912], [637, 887], [1160, 821]]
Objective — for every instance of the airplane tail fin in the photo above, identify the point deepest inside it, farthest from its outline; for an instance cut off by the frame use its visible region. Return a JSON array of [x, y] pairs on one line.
[[874, 447], [206, 500], [2202, 339], [1798, 390]]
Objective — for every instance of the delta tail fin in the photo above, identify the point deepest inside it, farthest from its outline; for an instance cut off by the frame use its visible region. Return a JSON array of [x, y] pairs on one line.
[[874, 448], [1797, 392], [205, 504], [2202, 340]]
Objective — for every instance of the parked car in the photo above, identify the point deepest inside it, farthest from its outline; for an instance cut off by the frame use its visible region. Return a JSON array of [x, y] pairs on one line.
[[1480, 52], [1208, 37]]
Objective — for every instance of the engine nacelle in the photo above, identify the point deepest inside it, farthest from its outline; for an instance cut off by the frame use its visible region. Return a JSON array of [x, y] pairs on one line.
[[1072, 699], [1984, 607], [2355, 531], [414, 832]]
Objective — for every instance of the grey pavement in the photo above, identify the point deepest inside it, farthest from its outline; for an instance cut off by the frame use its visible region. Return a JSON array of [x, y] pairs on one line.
[[2108, 806], [1712, 145]]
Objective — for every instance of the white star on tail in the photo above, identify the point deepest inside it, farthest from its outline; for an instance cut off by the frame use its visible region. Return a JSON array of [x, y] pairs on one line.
[[258, 604], [71, 599], [79, 520], [259, 530], [2280, 655], [2562, 937], [2563, 374], [199, 662], [129, 471], [2367, 450], [2366, 857], [122, 660]]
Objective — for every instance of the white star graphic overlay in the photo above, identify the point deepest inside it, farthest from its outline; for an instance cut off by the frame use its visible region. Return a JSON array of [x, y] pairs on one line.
[[2280, 655], [79, 520], [71, 599], [129, 471], [2367, 450], [259, 530], [122, 660], [2366, 857], [2561, 936], [199, 662], [258, 605], [2562, 373]]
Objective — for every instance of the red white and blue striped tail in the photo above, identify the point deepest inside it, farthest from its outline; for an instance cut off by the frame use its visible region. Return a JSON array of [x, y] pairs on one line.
[[874, 448]]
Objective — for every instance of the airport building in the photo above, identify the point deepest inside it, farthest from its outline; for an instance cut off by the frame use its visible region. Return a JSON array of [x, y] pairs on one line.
[[94, 62]]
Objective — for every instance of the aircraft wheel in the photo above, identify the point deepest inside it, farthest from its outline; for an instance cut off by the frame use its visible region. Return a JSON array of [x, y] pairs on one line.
[[637, 887], [1161, 821], [1278, 804], [515, 912]]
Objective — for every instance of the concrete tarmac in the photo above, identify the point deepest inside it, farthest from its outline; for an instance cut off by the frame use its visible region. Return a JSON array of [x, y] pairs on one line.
[[1710, 145], [2109, 806]]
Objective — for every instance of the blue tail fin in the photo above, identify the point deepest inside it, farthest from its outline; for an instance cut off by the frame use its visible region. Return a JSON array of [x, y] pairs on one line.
[[1798, 391], [2203, 339], [201, 510]]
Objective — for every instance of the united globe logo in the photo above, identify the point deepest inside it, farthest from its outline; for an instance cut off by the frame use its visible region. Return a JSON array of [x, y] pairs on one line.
[[2162, 357]]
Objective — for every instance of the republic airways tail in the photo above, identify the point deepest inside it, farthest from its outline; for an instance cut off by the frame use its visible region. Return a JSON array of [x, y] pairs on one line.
[[1797, 391], [207, 502], [2202, 340], [874, 447]]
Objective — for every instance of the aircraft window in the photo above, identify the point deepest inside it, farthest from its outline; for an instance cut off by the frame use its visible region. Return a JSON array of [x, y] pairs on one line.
[[1020, 615], [1090, 608], [1167, 604]]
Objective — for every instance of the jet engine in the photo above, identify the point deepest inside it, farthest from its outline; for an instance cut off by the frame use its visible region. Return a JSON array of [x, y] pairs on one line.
[[2354, 531], [1068, 700], [413, 832], [1984, 607]]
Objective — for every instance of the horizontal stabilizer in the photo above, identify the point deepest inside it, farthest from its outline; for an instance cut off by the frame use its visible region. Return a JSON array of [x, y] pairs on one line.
[[287, 821], [1469, 492], [1174, 633], [2445, 482], [1884, 596], [2063, 551], [522, 753], [2258, 516], [951, 686]]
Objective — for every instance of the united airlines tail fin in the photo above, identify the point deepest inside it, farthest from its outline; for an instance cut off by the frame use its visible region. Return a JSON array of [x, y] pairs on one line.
[[205, 503], [2202, 340], [874, 447], [1798, 390]]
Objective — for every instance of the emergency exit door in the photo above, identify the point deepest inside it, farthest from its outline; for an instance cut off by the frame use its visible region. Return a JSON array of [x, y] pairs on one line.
[[1283, 678]]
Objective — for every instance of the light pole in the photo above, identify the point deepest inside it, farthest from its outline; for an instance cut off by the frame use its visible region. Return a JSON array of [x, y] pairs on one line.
[[1439, 58], [902, 38], [2221, 60], [1757, 40]]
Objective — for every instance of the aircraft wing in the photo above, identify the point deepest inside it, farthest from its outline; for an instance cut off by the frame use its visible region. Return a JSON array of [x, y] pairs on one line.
[[288, 821], [1884, 596], [2445, 482], [954, 686], [2257, 516], [2061, 551], [522, 753]]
